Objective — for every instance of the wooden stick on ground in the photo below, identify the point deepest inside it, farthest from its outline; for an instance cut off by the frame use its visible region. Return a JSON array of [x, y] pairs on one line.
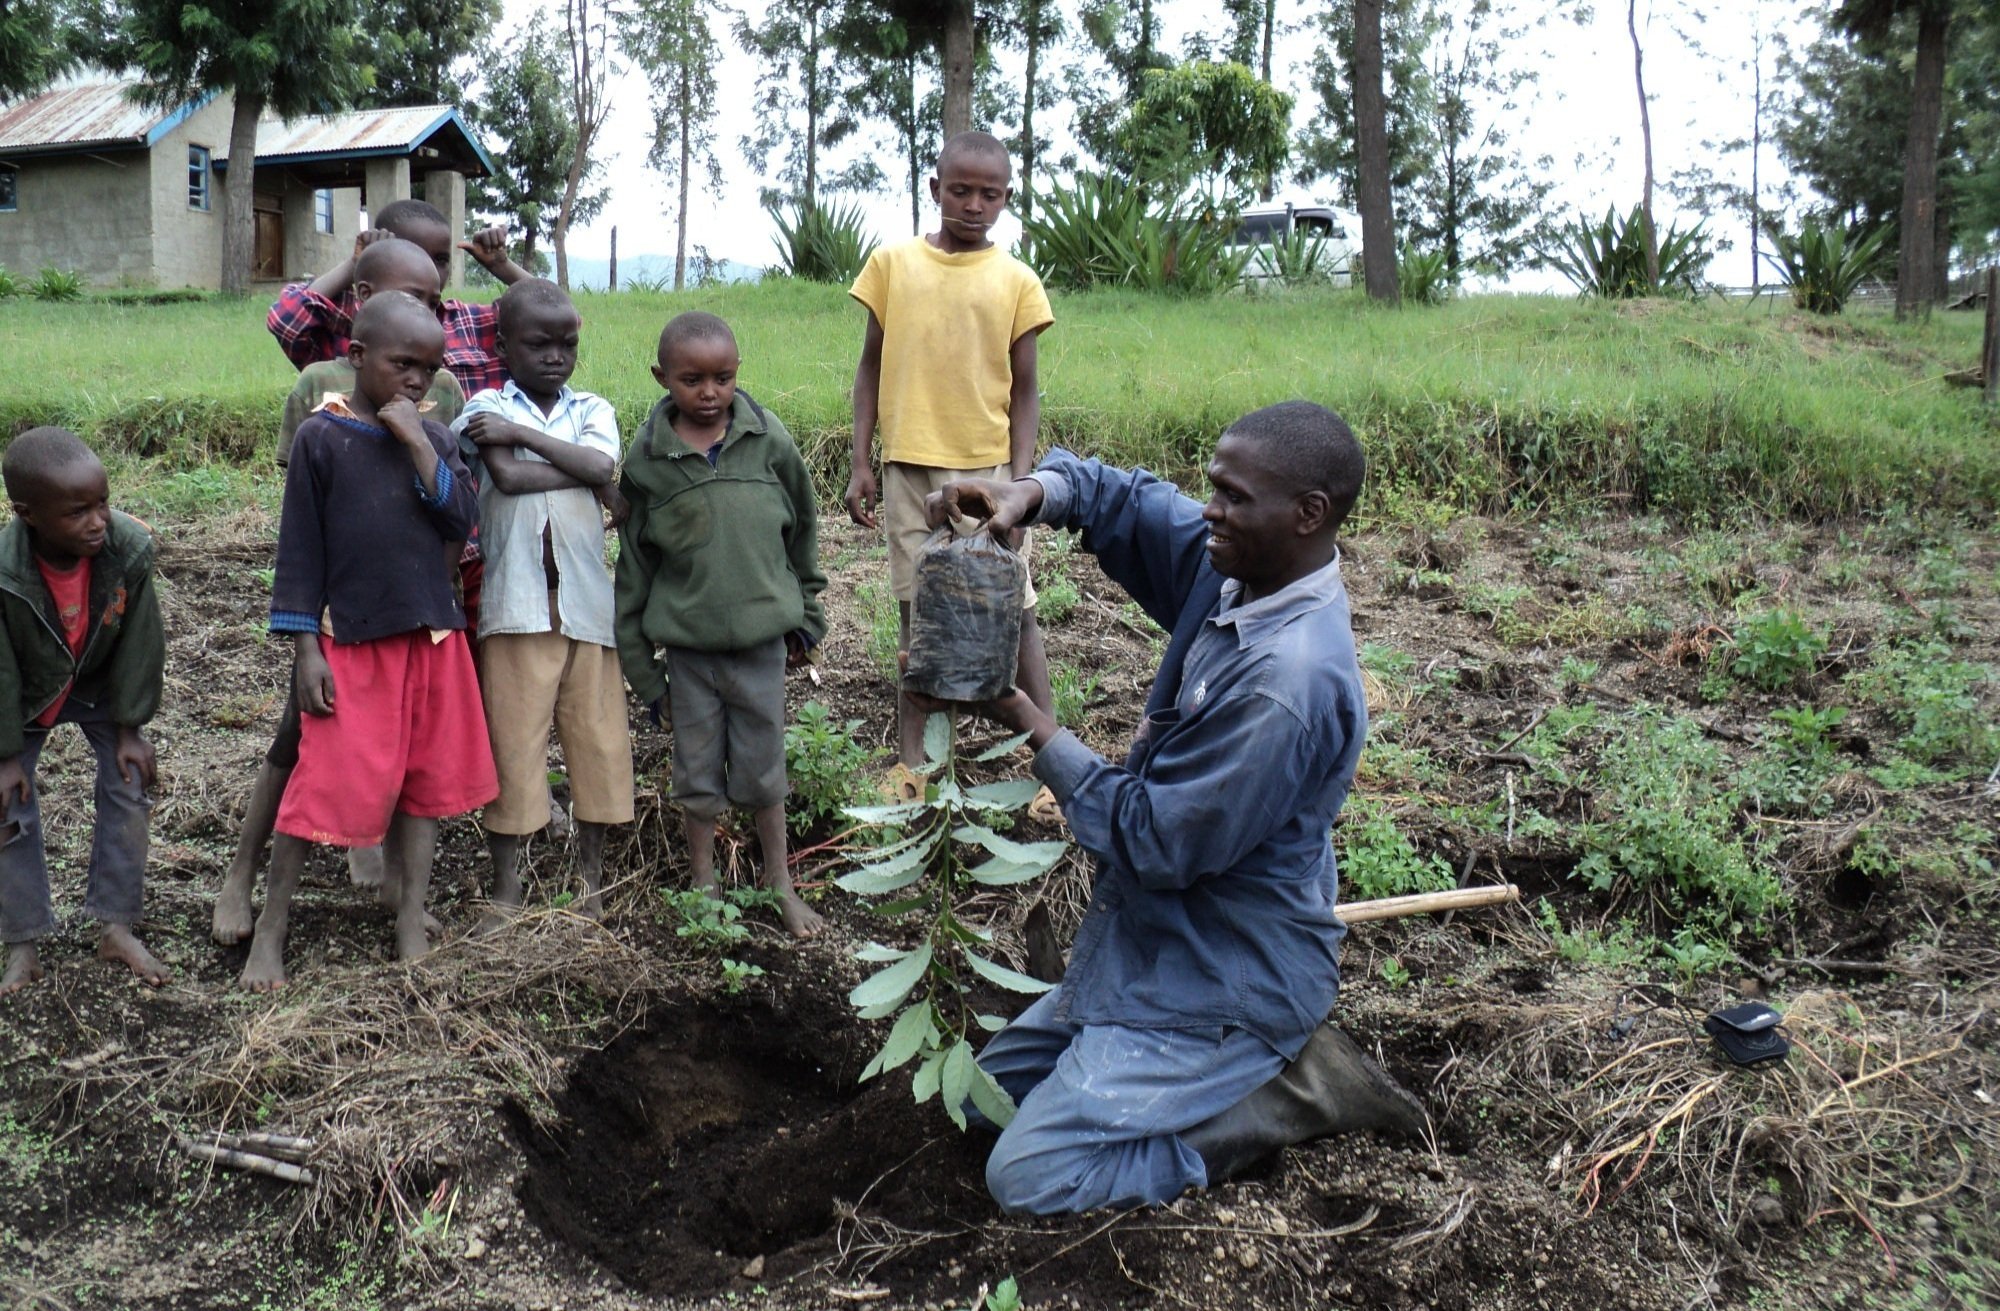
[[235, 1160], [1425, 903]]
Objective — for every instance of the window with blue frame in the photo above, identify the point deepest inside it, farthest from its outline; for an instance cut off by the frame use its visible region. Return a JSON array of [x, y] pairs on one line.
[[198, 177], [323, 210]]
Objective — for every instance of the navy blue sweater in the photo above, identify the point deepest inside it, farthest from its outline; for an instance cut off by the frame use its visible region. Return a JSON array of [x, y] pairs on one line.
[[360, 537]]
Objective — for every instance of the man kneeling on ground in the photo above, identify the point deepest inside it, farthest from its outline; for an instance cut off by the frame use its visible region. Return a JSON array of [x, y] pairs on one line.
[[1189, 1037]]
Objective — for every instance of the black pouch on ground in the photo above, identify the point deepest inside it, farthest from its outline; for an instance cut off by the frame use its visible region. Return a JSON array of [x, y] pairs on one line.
[[965, 617]]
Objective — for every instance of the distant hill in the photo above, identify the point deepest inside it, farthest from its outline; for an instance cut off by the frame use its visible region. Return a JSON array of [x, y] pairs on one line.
[[595, 273]]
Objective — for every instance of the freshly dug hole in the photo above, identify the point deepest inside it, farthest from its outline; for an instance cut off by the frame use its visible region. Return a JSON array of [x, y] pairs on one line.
[[710, 1137]]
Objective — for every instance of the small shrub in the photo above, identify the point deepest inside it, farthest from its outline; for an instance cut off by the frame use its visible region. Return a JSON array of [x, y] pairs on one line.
[[822, 242], [1669, 827], [1376, 860], [1422, 276], [1776, 648], [10, 286], [1608, 258], [827, 764], [1936, 700], [54, 284], [1789, 775], [1823, 265], [1055, 598], [1102, 232], [1298, 259]]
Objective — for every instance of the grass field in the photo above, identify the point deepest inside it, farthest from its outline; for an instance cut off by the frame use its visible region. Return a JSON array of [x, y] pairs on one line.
[[1487, 403]]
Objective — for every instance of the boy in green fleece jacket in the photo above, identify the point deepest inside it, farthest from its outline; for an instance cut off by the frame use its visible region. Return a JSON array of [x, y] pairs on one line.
[[82, 645], [718, 592]]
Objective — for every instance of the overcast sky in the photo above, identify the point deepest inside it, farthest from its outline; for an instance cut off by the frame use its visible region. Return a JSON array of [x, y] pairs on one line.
[[1583, 113]]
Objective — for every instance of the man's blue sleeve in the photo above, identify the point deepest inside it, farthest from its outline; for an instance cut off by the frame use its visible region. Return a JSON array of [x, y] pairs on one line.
[[1147, 536], [1207, 800]]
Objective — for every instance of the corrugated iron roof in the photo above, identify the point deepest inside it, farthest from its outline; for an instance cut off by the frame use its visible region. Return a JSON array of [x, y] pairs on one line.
[[95, 113], [366, 129]]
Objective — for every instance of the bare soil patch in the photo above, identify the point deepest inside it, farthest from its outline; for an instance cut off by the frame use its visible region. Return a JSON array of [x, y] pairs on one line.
[[583, 1116]]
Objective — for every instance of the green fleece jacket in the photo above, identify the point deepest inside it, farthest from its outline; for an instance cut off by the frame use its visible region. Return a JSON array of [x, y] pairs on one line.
[[714, 559], [124, 656]]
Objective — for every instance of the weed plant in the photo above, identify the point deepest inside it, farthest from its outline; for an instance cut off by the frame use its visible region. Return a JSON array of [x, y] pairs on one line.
[[827, 765], [52, 284], [885, 628], [1776, 648], [1377, 860], [10, 285], [1422, 276], [1072, 691], [1937, 701]]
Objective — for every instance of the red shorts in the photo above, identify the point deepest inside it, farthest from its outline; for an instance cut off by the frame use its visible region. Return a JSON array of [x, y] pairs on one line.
[[407, 733]]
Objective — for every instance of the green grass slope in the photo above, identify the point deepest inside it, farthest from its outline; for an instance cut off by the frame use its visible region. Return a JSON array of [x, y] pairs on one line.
[[1486, 403]]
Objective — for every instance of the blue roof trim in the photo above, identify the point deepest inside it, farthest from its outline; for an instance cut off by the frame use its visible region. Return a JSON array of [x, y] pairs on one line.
[[382, 152], [178, 117]]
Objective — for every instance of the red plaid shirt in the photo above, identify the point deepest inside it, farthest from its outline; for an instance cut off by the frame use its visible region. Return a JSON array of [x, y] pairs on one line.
[[310, 327]]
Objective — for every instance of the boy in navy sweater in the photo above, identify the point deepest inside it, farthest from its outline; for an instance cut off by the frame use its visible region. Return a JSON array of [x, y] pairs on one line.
[[377, 505]]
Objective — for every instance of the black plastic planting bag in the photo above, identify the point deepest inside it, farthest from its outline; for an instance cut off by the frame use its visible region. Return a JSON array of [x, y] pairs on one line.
[[965, 617]]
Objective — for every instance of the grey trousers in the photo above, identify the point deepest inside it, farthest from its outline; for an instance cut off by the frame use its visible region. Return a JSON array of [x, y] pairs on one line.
[[117, 843]]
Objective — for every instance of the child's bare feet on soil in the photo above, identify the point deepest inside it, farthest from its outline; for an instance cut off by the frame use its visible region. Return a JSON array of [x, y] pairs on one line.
[[265, 970], [801, 920], [118, 943], [499, 915], [592, 908], [24, 966], [232, 921], [413, 939]]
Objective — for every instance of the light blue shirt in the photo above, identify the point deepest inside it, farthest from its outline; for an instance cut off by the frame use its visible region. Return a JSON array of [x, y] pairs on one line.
[[1215, 895], [515, 595]]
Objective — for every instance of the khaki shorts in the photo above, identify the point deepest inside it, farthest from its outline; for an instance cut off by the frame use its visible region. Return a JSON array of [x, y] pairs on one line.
[[532, 680], [904, 487]]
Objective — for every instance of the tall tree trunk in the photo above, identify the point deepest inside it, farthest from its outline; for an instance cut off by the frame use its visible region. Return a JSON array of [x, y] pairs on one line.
[[1264, 71], [957, 67], [1915, 275], [913, 143], [687, 151], [239, 196], [1756, 150], [1646, 139], [813, 106], [1371, 144], [1027, 192], [611, 277]]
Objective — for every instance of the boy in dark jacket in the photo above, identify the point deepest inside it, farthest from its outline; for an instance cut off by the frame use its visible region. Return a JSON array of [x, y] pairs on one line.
[[719, 565], [83, 646]]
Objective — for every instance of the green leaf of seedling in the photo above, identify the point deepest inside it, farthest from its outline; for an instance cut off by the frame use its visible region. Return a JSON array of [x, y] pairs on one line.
[[912, 1033], [991, 1099], [1013, 980], [884, 877], [884, 814], [1000, 749], [1010, 794], [880, 993], [1044, 854], [956, 1080], [937, 738], [997, 873], [876, 953], [903, 907], [990, 1023], [924, 1083]]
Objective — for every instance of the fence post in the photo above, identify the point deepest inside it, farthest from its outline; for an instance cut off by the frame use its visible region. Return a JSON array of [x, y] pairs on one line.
[[1989, 354]]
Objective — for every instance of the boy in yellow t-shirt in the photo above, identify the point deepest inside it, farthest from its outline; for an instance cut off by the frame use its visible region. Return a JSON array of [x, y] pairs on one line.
[[948, 370]]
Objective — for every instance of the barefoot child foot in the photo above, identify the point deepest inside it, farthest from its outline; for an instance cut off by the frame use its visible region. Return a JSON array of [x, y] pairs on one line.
[[233, 918], [801, 920], [24, 966], [118, 943], [590, 868], [414, 841]]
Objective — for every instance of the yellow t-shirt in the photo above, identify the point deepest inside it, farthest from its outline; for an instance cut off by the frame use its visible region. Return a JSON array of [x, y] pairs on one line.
[[948, 323]]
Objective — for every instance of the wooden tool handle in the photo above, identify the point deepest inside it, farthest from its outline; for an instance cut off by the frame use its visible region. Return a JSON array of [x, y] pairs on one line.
[[1424, 903]]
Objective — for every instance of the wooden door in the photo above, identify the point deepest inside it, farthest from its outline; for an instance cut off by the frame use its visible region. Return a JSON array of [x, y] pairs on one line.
[[270, 261]]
